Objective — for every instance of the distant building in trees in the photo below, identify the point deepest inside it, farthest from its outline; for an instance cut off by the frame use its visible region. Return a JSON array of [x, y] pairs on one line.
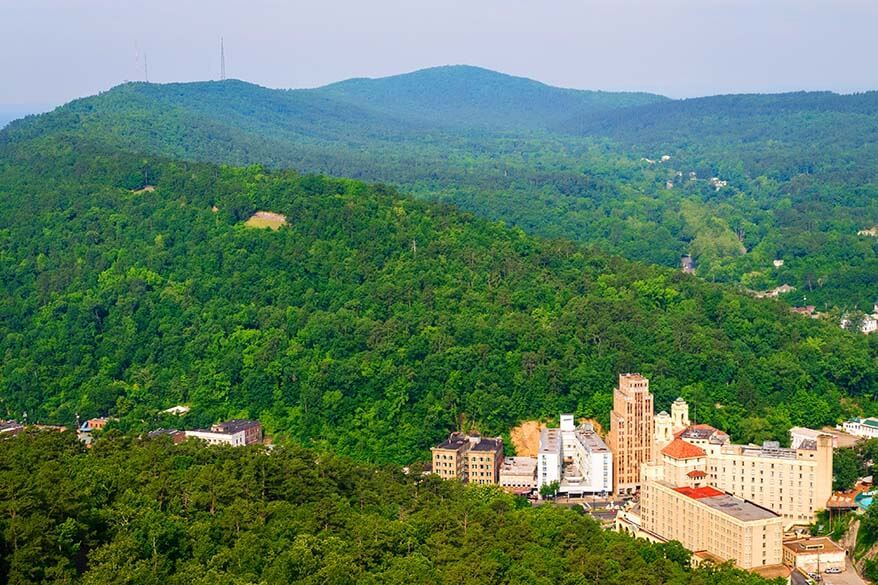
[[862, 427], [10, 427], [235, 432]]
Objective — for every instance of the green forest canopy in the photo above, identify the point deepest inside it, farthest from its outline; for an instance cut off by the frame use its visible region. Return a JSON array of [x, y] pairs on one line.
[[373, 324], [150, 512]]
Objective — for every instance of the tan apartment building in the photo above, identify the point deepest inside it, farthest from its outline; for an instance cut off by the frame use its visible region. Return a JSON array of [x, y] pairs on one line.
[[470, 459], [708, 521], [632, 431], [794, 483]]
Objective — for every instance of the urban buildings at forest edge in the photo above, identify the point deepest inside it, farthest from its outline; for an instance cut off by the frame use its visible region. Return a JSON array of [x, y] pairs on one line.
[[720, 500]]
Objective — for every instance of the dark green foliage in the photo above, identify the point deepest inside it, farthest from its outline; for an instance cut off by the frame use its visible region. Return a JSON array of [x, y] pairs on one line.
[[373, 324], [149, 512], [846, 469]]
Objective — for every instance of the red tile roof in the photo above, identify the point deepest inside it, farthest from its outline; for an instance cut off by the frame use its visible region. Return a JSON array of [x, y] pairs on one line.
[[698, 493], [696, 473], [680, 449]]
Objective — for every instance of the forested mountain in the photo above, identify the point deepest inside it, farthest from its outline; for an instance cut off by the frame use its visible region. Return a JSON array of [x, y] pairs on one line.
[[152, 513], [779, 136], [371, 324], [474, 98], [796, 171]]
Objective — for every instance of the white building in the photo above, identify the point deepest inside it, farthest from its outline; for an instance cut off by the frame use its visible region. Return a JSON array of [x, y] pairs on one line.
[[576, 457], [799, 436], [862, 427], [236, 433], [518, 474]]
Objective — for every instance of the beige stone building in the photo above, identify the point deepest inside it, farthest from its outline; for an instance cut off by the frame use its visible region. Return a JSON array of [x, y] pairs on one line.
[[471, 459], [795, 483], [632, 431], [711, 522]]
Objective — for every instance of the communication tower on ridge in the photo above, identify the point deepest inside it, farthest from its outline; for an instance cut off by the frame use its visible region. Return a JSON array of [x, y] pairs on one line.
[[222, 60]]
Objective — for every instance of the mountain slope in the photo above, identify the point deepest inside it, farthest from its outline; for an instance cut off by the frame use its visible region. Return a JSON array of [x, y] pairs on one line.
[[797, 170], [472, 97], [372, 324]]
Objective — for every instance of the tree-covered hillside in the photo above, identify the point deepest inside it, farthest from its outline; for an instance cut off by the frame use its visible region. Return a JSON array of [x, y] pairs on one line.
[[152, 513], [797, 170], [372, 324]]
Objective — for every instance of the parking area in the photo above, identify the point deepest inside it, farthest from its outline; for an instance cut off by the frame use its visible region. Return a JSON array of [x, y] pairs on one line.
[[849, 577]]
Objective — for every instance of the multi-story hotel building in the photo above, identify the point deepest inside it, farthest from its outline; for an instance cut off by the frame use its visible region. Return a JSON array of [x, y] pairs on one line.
[[632, 431], [794, 483], [677, 504], [470, 459], [709, 520]]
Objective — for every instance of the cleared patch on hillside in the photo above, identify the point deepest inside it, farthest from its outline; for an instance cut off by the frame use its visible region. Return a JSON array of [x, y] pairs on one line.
[[146, 189], [526, 438], [266, 219]]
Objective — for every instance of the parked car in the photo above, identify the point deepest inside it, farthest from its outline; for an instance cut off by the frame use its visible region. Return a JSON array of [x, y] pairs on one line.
[[833, 571]]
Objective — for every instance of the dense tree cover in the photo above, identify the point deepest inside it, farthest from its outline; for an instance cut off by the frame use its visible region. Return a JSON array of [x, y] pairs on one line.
[[800, 167], [149, 512], [848, 465], [373, 324]]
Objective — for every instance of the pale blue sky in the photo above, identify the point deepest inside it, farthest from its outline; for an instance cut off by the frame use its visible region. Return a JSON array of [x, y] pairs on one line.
[[55, 50]]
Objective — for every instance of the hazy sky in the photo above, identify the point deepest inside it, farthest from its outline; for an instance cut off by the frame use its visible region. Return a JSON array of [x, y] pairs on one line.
[[55, 50]]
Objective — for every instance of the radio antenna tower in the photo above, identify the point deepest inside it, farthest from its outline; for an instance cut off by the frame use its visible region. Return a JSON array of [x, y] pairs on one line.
[[222, 60], [145, 68]]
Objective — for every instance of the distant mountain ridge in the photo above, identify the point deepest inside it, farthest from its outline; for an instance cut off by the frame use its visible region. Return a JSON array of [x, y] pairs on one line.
[[555, 162], [466, 96]]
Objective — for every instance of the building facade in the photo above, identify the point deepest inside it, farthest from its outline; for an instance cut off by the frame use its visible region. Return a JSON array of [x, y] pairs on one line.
[[862, 427], [705, 519], [632, 431], [235, 432], [549, 457], [471, 459], [813, 555], [794, 483], [668, 425], [518, 474]]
